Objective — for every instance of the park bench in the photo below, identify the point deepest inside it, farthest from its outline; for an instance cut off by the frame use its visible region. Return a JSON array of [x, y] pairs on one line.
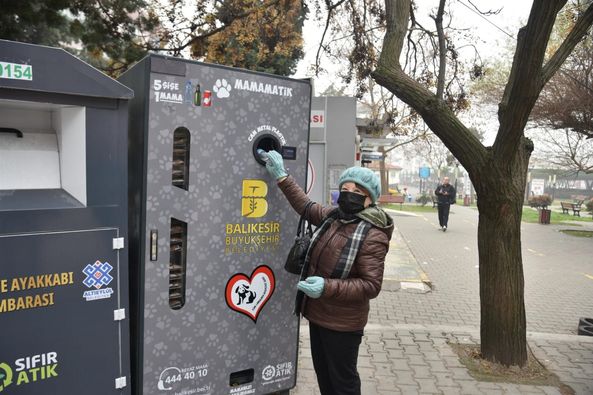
[[575, 207], [435, 200], [385, 199]]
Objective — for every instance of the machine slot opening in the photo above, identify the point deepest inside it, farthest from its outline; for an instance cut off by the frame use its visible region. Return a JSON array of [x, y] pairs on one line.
[[180, 168], [177, 264], [43, 153], [266, 142], [241, 377]]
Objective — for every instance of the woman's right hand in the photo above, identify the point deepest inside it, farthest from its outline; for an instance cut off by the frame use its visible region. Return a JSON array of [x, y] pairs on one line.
[[275, 165]]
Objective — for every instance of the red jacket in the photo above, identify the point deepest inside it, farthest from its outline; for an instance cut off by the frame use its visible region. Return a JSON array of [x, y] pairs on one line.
[[344, 304]]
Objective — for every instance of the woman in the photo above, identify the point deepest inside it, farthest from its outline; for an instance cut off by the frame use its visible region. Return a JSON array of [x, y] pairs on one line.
[[344, 271]]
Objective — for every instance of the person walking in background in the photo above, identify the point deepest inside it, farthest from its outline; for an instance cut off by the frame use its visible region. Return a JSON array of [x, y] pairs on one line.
[[343, 270], [446, 194]]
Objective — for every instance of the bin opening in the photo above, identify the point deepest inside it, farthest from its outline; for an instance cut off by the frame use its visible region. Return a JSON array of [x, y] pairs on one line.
[[268, 143], [43, 147], [241, 377]]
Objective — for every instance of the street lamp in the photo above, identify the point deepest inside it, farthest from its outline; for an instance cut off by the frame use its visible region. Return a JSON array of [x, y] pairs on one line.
[[456, 170]]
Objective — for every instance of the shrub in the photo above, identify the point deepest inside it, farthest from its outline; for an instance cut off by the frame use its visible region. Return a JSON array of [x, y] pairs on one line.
[[589, 205], [540, 201], [423, 199]]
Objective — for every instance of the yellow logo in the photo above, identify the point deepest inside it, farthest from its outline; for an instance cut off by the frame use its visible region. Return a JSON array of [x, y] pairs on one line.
[[253, 200], [5, 376]]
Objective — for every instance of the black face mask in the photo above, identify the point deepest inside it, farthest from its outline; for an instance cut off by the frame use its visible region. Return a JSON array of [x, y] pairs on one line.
[[350, 202]]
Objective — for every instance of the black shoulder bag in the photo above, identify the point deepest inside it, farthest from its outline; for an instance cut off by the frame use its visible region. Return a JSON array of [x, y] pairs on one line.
[[298, 252]]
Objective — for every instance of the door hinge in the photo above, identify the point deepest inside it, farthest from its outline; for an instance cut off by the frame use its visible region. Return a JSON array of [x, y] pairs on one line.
[[119, 314], [120, 382], [118, 243]]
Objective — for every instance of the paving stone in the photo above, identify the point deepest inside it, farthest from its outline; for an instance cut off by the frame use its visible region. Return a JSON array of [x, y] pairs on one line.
[[437, 366], [405, 378], [428, 386], [382, 369], [408, 389], [416, 360], [400, 364], [421, 372]]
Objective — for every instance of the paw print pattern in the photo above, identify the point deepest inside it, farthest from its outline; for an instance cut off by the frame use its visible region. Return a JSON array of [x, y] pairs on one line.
[[159, 349], [216, 192], [252, 107], [222, 89], [166, 192], [164, 136], [213, 316], [188, 320], [241, 115], [152, 204], [165, 163], [150, 311], [213, 341], [163, 323], [188, 344]]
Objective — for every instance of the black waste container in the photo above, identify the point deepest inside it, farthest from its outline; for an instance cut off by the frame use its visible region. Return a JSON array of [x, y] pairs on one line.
[[63, 225]]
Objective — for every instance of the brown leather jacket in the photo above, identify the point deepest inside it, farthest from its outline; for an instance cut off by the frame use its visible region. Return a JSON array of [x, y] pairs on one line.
[[344, 304]]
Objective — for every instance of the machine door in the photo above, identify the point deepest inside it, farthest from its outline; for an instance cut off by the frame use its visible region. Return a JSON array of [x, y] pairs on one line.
[[58, 293]]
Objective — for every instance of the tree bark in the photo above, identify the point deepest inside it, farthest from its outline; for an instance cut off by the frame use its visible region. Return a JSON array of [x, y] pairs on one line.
[[502, 313]]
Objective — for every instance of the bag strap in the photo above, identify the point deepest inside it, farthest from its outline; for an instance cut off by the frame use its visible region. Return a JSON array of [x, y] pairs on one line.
[[304, 217]]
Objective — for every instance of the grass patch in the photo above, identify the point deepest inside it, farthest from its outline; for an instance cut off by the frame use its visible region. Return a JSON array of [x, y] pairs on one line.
[[577, 233], [413, 207], [532, 374], [532, 216]]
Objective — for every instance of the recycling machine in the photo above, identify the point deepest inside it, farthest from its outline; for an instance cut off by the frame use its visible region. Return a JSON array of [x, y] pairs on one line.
[[210, 230], [63, 225]]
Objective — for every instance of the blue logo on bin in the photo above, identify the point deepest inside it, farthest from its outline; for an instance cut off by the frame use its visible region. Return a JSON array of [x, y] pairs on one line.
[[97, 274]]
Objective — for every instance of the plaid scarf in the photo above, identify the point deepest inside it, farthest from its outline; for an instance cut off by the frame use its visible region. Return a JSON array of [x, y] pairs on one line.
[[347, 256]]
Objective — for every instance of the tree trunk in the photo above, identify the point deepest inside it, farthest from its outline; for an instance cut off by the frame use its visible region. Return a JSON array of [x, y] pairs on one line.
[[500, 195]]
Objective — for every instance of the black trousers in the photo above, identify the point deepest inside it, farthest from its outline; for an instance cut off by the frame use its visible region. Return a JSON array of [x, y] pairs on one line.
[[444, 214], [335, 355]]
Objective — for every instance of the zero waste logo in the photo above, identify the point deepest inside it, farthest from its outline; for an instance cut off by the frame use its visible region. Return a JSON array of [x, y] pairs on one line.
[[5, 376], [28, 370]]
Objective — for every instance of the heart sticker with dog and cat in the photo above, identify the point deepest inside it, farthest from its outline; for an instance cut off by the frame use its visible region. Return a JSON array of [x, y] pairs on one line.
[[248, 295]]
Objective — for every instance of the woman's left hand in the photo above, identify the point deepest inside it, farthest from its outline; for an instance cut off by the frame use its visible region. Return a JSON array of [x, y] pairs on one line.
[[312, 286]]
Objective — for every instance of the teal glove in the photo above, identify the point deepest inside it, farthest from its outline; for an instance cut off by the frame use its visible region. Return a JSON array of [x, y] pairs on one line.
[[275, 164], [312, 286]]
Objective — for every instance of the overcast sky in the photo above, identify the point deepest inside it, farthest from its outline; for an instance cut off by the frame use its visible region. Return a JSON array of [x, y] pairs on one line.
[[512, 14]]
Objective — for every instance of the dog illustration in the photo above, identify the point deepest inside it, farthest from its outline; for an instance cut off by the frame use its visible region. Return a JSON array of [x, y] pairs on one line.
[[244, 292]]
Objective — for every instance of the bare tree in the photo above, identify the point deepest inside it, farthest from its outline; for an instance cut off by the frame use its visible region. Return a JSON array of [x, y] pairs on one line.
[[566, 150], [498, 172]]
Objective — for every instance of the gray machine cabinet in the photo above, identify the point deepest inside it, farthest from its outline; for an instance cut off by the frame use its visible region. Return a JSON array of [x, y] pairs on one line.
[[64, 318], [211, 229]]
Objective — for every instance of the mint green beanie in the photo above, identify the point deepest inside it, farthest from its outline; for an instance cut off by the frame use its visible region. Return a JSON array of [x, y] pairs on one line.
[[364, 177]]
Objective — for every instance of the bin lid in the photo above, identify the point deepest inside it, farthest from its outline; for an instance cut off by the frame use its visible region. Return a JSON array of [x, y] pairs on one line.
[[39, 68]]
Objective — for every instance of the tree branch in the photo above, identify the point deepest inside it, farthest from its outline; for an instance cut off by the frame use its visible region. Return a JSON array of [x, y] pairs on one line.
[[330, 9], [523, 86], [439, 118], [574, 37], [438, 20]]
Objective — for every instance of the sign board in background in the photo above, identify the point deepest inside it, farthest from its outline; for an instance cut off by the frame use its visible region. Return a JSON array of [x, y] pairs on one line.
[[317, 119], [537, 186], [424, 172]]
